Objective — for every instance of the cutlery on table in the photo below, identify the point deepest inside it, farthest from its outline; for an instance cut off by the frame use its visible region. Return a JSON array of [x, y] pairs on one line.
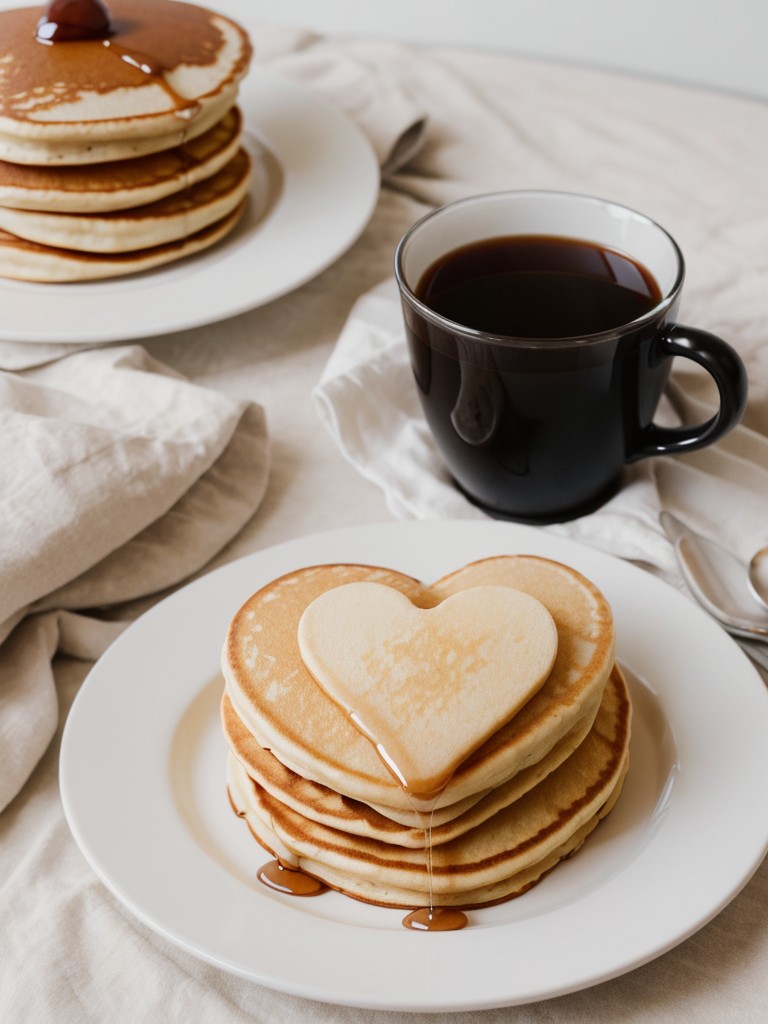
[[719, 582]]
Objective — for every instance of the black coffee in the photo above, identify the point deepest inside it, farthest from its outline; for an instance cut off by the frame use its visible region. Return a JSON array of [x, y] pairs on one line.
[[534, 286], [537, 432]]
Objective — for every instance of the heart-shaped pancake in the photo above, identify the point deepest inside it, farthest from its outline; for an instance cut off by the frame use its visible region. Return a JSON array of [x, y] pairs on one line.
[[427, 686], [286, 712]]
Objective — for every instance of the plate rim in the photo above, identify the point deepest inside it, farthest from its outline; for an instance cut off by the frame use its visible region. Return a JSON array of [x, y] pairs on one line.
[[484, 537]]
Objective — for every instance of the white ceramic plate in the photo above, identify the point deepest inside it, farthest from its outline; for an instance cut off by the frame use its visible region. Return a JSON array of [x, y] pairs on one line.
[[330, 183], [142, 779]]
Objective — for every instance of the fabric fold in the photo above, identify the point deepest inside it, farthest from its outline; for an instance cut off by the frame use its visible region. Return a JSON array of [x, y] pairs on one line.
[[121, 480], [367, 79]]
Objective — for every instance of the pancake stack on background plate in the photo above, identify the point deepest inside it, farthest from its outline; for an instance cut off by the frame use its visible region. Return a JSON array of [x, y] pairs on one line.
[[512, 754], [119, 136]]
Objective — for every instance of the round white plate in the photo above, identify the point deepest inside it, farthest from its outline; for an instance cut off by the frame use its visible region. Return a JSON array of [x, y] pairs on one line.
[[143, 785], [330, 184]]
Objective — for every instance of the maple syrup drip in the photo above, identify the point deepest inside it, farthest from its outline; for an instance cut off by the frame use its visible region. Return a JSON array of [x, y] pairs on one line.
[[428, 858], [71, 20], [429, 918], [82, 20], [289, 880], [436, 919], [152, 67], [141, 61], [432, 918]]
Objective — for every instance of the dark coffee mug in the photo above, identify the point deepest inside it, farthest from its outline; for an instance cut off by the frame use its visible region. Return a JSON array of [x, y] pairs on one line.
[[541, 329]]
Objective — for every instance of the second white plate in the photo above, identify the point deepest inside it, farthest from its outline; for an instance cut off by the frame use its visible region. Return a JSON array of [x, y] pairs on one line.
[[330, 183], [142, 780]]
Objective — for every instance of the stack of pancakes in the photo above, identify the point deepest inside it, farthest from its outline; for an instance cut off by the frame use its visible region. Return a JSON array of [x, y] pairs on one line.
[[513, 778], [121, 152]]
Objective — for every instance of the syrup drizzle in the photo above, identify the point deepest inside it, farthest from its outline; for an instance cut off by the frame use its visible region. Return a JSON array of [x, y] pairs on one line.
[[152, 67], [436, 919], [82, 20], [429, 918], [432, 918], [291, 881], [294, 882]]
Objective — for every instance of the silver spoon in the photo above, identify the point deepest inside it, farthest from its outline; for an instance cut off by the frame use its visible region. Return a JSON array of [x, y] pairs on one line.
[[757, 577], [717, 580]]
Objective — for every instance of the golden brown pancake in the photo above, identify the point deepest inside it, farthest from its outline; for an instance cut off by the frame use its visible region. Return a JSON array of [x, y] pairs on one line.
[[175, 217], [165, 72], [388, 824], [486, 895], [30, 261], [286, 711], [119, 148], [121, 184], [495, 859]]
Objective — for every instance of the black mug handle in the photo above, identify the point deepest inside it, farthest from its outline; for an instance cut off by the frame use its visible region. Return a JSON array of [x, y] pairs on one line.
[[729, 374]]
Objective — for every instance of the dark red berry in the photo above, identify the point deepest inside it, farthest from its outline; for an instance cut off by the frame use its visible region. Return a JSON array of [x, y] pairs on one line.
[[66, 20]]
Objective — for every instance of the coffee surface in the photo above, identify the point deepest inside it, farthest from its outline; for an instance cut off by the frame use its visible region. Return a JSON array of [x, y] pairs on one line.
[[537, 286]]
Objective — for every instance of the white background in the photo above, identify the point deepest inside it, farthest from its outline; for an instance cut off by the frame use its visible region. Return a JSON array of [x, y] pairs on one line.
[[706, 42]]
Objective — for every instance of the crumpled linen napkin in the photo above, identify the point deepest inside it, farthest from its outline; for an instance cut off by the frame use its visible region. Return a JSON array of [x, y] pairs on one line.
[[119, 479], [365, 78], [368, 402]]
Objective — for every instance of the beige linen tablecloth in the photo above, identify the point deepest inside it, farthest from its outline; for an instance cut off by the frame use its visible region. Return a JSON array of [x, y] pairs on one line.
[[70, 952]]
